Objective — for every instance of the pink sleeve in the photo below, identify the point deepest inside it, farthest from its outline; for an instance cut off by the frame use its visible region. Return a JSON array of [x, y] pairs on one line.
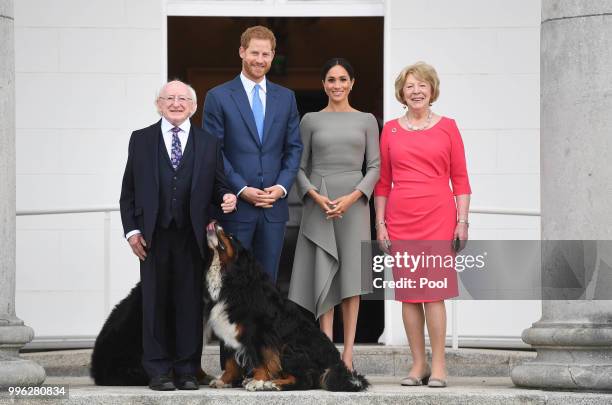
[[383, 187], [458, 169]]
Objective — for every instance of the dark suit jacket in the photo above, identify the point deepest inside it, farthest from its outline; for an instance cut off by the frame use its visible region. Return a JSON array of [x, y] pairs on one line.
[[139, 199], [248, 161]]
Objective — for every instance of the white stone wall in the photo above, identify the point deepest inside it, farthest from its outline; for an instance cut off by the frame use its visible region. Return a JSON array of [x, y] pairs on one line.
[[86, 72], [86, 75], [487, 55]]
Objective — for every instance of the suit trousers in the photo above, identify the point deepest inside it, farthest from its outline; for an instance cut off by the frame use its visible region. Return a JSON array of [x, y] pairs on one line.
[[262, 237], [171, 278], [265, 239]]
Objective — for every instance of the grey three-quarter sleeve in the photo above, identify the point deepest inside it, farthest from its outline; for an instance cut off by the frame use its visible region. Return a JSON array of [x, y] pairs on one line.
[[372, 154], [302, 181]]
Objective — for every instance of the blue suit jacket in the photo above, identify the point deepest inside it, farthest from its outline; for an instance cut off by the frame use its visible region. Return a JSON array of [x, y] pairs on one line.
[[247, 161]]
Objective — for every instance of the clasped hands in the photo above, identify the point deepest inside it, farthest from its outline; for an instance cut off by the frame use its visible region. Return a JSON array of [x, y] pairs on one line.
[[262, 198], [335, 208]]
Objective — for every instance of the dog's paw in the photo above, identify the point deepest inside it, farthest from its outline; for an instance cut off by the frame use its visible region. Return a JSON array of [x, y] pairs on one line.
[[260, 385], [218, 383], [246, 381]]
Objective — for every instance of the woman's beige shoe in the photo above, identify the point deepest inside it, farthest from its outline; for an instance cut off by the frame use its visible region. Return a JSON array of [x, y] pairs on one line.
[[436, 383], [411, 381]]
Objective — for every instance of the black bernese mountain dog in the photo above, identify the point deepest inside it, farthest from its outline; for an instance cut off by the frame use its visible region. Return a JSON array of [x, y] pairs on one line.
[[275, 346]]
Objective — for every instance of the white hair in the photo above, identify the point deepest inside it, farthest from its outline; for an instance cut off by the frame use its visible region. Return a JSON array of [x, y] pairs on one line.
[[192, 92]]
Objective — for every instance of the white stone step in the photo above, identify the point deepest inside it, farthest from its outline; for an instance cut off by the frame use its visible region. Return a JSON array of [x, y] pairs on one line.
[[369, 360]]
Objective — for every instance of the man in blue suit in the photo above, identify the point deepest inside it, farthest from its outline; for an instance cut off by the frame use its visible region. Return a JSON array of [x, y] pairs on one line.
[[258, 124]]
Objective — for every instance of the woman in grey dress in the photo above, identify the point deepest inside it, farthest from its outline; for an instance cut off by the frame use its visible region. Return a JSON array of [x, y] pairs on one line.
[[336, 214]]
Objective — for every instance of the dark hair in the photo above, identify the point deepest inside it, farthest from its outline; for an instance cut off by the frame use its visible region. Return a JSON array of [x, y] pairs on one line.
[[334, 62]]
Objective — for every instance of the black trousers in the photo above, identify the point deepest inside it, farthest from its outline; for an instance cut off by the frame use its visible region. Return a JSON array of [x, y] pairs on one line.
[[171, 278]]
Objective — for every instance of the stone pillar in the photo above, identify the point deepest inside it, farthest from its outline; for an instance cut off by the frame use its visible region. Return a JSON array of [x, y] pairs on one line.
[[573, 339], [13, 333]]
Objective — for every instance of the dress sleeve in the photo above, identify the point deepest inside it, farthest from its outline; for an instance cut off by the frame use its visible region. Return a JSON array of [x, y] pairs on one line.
[[458, 170], [372, 154], [383, 187], [302, 181]]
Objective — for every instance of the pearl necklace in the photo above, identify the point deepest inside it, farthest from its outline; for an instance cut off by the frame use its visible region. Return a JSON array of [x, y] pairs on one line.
[[415, 128]]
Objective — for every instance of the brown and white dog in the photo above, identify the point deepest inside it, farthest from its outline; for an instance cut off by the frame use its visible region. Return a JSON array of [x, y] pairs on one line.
[[275, 346]]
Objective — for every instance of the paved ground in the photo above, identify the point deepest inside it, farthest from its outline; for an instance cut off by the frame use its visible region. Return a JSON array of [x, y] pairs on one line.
[[385, 390]]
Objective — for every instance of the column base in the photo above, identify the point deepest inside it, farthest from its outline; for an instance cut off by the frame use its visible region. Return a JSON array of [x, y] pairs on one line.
[[563, 376], [570, 356], [15, 371]]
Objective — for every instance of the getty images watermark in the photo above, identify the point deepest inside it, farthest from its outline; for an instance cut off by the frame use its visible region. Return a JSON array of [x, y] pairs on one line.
[[415, 264], [488, 270]]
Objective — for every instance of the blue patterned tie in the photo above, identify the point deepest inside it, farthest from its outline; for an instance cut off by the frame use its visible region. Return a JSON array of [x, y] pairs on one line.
[[176, 154], [258, 111]]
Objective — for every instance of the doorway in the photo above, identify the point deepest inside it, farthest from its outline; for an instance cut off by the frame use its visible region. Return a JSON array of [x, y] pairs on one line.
[[203, 51]]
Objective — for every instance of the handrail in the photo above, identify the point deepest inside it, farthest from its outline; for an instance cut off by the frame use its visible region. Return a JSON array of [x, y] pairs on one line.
[[505, 211], [474, 210], [82, 210]]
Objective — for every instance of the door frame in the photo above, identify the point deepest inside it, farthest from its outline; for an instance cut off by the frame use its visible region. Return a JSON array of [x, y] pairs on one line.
[[284, 8], [263, 8]]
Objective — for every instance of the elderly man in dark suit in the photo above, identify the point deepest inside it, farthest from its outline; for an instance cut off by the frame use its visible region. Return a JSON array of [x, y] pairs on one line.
[[174, 172]]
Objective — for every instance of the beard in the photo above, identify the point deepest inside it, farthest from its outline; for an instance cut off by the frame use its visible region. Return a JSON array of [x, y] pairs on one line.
[[253, 71]]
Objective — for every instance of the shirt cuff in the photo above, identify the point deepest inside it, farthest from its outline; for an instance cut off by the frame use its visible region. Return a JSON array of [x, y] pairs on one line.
[[284, 191], [132, 233], [241, 190]]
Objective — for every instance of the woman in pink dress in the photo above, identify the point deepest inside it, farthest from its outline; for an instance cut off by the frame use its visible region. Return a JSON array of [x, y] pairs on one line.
[[421, 156]]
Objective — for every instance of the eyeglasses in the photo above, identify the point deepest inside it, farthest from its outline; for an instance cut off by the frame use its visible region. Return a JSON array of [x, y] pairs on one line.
[[179, 99]]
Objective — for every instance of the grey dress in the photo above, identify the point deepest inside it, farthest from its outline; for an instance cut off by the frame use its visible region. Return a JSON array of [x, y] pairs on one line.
[[327, 262]]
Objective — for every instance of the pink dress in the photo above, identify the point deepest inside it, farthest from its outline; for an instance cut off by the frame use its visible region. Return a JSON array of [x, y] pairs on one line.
[[417, 169]]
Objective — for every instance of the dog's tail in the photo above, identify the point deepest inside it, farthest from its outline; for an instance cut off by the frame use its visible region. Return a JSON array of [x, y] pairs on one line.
[[339, 378]]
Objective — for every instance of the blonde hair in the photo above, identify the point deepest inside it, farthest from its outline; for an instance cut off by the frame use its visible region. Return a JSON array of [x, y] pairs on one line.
[[422, 71], [257, 32]]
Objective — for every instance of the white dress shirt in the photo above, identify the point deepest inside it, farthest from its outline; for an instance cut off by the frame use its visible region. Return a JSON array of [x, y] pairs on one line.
[[249, 85], [166, 129]]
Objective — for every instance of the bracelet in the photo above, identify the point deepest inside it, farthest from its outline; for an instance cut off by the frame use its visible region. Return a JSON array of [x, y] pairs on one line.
[[463, 221], [379, 223]]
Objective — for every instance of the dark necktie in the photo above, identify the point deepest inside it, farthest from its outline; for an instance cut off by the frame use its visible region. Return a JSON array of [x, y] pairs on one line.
[[176, 153]]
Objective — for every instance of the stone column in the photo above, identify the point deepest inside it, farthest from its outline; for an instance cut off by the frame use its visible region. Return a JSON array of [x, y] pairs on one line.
[[573, 339], [13, 333]]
